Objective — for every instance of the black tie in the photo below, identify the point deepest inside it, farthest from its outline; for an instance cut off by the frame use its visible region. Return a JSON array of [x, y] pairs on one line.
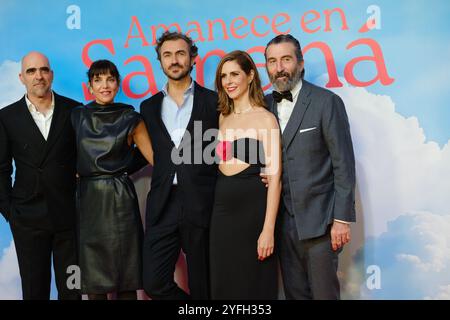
[[278, 96]]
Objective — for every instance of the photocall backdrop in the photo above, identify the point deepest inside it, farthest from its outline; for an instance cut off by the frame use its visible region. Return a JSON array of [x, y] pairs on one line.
[[388, 60]]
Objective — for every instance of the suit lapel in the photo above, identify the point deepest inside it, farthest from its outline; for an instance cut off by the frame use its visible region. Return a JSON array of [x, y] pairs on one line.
[[296, 117], [272, 105], [60, 114], [158, 111], [31, 129], [195, 115]]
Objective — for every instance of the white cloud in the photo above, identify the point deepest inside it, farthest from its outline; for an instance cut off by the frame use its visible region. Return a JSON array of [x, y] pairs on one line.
[[397, 170], [11, 88], [443, 294], [413, 257], [409, 258], [432, 231], [10, 285], [403, 183]]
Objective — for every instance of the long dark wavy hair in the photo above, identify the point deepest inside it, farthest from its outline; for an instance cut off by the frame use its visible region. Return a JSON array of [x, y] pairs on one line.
[[256, 94]]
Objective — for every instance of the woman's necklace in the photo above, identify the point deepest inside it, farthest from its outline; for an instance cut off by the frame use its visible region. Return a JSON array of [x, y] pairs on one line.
[[242, 111]]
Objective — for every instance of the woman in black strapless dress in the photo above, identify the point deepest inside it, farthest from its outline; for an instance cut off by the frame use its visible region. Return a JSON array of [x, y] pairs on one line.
[[242, 262], [109, 223]]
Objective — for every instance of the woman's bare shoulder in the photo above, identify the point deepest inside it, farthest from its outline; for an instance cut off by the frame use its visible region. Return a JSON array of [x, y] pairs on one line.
[[266, 118]]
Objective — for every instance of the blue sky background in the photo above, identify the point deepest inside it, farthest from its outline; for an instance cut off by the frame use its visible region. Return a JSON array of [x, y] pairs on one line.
[[414, 37]]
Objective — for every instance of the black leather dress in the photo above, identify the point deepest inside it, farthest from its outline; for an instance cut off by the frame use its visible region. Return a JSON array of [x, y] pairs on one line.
[[110, 228]]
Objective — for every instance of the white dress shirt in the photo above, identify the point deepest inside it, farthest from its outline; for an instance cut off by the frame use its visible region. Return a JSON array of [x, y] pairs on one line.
[[176, 118], [285, 107], [43, 121]]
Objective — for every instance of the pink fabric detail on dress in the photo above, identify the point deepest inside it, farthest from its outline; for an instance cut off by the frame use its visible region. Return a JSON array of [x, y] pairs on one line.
[[223, 150]]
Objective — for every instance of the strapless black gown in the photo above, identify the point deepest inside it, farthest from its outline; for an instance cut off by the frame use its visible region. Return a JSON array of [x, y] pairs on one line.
[[236, 223], [109, 223]]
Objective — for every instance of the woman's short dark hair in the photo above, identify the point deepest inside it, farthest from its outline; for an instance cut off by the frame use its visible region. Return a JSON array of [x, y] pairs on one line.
[[103, 67], [173, 35]]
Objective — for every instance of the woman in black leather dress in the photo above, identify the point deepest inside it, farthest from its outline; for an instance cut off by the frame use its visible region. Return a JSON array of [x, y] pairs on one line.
[[243, 220], [110, 228]]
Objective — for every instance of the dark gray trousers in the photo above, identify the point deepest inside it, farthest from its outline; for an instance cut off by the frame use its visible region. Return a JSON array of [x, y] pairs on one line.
[[308, 267]]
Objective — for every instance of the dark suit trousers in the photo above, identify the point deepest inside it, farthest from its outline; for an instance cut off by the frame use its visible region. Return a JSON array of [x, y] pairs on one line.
[[162, 244], [308, 267], [34, 249]]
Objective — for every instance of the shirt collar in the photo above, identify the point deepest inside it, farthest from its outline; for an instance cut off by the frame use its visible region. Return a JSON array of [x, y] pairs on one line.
[[33, 108], [188, 91], [295, 91]]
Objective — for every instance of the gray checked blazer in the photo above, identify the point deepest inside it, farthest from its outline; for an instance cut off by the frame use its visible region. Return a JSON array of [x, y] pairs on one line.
[[318, 161]]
